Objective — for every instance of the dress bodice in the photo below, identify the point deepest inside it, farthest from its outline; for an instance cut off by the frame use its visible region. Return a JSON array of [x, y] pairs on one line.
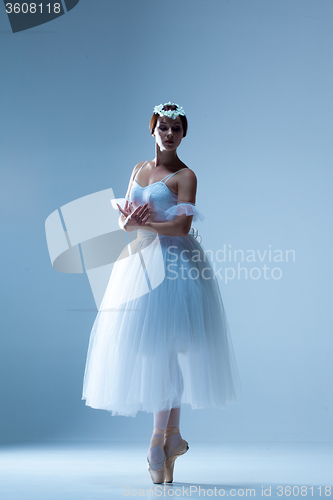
[[162, 202], [158, 196]]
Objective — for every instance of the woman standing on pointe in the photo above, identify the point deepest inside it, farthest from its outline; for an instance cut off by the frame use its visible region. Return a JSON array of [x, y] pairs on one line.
[[161, 336]]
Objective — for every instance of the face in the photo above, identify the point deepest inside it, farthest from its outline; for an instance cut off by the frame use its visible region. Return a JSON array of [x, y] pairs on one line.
[[168, 133]]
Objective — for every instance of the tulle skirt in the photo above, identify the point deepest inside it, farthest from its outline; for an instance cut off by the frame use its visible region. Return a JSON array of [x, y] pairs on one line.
[[161, 337]]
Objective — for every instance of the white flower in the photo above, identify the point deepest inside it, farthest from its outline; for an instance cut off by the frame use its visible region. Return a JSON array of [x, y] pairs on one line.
[[171, 113]]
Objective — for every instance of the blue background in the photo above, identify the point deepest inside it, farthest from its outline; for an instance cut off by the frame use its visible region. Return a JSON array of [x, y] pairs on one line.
[[255, 79]]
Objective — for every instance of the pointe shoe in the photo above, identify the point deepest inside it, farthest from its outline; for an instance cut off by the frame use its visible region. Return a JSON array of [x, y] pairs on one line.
[[157, 475], [176, 452]]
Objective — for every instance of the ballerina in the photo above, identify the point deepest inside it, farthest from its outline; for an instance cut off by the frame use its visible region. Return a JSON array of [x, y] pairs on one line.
[[169, 343]]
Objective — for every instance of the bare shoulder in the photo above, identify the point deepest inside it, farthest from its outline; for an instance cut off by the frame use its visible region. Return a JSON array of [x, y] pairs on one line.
[[187, 185], [189, 176], [136, 168]]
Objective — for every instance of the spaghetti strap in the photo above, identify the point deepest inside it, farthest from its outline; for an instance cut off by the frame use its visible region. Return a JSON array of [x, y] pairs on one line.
[[139, 169], [167, 177]]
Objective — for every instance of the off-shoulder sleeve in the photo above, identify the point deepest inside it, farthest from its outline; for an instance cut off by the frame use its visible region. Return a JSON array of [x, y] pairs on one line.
[[120, 201], [184, 208]]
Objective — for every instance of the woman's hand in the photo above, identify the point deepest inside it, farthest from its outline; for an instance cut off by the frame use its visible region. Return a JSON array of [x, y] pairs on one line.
[[126, 210], [134, 217]]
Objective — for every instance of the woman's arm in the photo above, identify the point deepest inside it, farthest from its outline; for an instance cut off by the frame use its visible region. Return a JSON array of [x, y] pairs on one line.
[[178, 227], [122, 218]]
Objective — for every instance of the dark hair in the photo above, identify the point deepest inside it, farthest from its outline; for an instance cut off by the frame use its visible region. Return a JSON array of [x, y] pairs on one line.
[[168, 107]]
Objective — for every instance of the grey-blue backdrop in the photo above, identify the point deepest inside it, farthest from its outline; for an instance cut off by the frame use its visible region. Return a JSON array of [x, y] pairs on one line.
[[255, 78]]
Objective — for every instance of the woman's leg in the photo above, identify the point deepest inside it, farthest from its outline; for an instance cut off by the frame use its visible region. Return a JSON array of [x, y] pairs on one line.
[[161, 419], [156, 454], [171, 436], [173, 439], [165, 419], [174, 417]]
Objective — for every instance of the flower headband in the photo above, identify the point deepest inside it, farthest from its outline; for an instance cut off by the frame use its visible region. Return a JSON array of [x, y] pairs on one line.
[[171, 113]]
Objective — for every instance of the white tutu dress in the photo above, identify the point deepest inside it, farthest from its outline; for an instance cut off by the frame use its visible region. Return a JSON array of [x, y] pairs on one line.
[[160, 338]]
